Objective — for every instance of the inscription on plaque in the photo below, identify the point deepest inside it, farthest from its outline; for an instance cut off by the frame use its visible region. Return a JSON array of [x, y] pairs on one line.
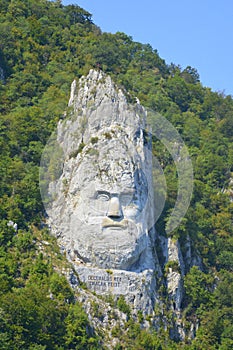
[[103, 282]]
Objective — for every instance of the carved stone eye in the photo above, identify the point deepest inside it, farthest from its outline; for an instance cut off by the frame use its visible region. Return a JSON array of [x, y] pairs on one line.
[[126, 198], [102, 196]]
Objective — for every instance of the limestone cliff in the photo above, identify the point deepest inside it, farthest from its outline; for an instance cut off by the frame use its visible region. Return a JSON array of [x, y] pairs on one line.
[[100, 199]]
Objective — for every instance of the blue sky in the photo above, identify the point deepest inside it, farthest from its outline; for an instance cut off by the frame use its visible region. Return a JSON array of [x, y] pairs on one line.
[[197, 33]]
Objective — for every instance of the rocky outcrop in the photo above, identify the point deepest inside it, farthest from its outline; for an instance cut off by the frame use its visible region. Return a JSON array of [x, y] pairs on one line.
[[175, 271], [101, 204], [97, 185], [190, 256]]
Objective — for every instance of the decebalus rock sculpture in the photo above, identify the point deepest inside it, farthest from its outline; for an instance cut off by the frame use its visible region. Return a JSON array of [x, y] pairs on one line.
[[98, 188]]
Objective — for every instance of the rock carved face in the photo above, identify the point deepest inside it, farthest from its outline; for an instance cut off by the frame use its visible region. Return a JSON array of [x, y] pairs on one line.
[[108, 195]]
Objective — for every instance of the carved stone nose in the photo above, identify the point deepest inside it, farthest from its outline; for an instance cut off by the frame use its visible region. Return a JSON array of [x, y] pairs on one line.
[[114, 210]]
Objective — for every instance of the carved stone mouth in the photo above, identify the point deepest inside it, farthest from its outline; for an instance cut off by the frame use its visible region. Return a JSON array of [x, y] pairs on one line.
[[117, 223]]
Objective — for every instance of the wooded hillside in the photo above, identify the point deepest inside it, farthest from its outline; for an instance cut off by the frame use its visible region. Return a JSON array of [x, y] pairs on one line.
[[44, 46]]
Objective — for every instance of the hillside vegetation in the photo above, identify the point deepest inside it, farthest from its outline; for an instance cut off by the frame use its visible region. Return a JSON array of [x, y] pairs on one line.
[[44, 46]]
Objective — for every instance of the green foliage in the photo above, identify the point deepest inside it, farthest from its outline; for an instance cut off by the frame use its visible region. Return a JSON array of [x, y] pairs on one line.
[[108, 135], [77, 330], [60, 289], [94, 139], [38, 310], [136, 338], [173, 265], [44, 46], [197, 286], [123, 306], [78, 150]]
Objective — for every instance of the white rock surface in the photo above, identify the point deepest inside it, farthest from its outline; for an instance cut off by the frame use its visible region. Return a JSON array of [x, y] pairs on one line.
[[98, 190], [138, 289], [101, 201], [174, 276]]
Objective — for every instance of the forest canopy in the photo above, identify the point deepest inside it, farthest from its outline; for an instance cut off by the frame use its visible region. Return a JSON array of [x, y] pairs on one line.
[[44, 46]]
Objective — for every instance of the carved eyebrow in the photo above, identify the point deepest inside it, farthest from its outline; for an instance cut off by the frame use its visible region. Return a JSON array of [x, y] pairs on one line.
[[128, 192], [127, 197], [101, 192]]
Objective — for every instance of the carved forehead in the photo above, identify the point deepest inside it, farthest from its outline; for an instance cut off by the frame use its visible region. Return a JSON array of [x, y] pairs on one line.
[[107, 171], [109, 161], [114, 177]]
